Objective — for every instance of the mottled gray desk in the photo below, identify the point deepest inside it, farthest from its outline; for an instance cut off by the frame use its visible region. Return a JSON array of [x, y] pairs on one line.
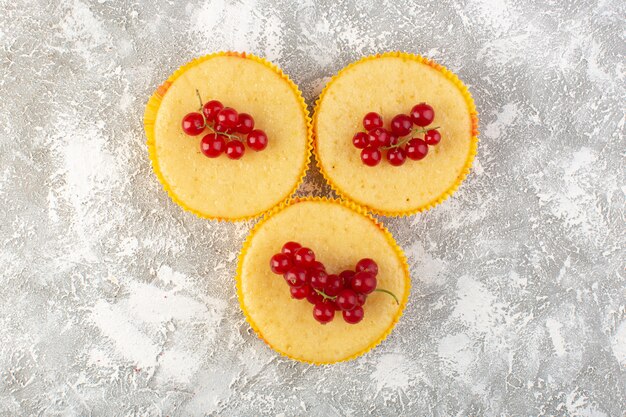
[[116, 302]]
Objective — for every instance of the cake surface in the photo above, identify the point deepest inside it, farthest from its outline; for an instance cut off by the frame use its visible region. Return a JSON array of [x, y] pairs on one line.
[[223, 188], [340, 236], [391, 84]]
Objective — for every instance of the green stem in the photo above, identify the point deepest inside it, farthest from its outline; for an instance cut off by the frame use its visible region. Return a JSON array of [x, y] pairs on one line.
[[229, 136], [199, 98], [405, 139], [326, 296], [390, 293]]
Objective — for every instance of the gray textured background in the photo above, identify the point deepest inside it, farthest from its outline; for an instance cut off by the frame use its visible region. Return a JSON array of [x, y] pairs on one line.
[[116, 302]]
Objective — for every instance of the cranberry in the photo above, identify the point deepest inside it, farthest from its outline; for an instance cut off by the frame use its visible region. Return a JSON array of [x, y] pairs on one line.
[[210, 109], [245, 123], [353, 316], [360, 140], [363, 282], [324, 312], [334, 285], [290, 248], [346, 299], [280, 263], [193, 124], [396, 156], [371, 156], [416, 149], [296, 277], [300, 293], [257, 140], [304, 257], [401, 125], [235, 149], [379, 137], [372, 121], [432, 137], [367, 264], [318, 279], [422, 114], [227, 117], [212, 145]]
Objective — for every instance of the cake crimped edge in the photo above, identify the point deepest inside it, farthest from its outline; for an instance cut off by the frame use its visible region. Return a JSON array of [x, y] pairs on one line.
[[468, 162], [152, 109], [357, 209]]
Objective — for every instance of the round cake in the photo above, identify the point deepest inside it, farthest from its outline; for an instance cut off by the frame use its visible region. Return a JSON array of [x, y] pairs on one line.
[[340, 234], [228, 185], [388, 85]]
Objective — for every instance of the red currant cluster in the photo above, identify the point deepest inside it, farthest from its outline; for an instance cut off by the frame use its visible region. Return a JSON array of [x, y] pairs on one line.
[[307, 279], [399, 142], [225, 125]]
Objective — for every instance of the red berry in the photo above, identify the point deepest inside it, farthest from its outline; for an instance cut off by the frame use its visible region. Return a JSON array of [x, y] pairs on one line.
[[372, 121], [280, 263], [353, 316], [313, 297], [317, 266], [295, 277], [245, 123], [363, 282], [367, 264], [227, 117], [300, 293], [212, 145], [396, 156], [371, 156], [304, 257], [193, 124], [346, 275], [222, 128], [422, 114], [401, 125], [235, 149], [393, 140], [334, 285], [324, 312], [361, 298], [360, 140], [257, 140], [346, 299], [318, 279], [432, 137], [416, 149], [210, 109], [290, 248], [379, 137]]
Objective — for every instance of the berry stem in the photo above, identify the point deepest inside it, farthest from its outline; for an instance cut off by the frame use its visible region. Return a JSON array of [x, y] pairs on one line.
[[229, 136], [390, 293], [405, 139], [200, 99], [326, 296]]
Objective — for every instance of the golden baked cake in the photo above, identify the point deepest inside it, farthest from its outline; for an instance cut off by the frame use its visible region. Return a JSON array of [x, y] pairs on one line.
[[228, 135], [321, 281], [395, 133]]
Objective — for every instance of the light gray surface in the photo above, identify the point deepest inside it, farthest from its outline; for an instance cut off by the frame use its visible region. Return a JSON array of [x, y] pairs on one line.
[[116, 302]]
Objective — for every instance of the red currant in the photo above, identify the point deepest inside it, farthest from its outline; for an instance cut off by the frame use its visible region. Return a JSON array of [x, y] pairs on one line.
[[318, 279], [372, 121], [222, 128], [393, 140], [280, 263], [296, 277], [346, 299], [416, 149], [360, 140], [290, 248], [313, 297], [317, 266], [304, 257], [363, 282], [324, 312], [257, 140], [227, 117], [333, 285], [432, 137], [300, 293], [235, 149], [210, 109], [422, 114], [401, 125], [371, 156], [396, 156], [361, 298], [379, 137], [346, 275], [245, 123], [353, 316], [367, 264], [193, 124], [212, 145]]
